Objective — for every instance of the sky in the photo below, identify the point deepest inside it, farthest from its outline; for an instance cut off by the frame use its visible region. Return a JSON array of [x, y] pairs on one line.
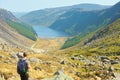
[[30, 5]]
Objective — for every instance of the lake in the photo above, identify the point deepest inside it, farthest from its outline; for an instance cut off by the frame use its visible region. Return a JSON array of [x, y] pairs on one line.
[[45, 32]]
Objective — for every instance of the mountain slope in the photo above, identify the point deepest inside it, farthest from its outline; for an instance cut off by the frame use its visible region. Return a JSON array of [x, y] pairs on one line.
[[105, 41], [112, 29], [48, 16], [11, 29], [84, 23], [77, 21], [21, 27]]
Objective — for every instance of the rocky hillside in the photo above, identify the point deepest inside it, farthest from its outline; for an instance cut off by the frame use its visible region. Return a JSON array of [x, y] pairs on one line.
[[68, 65], [5, 15], [48, 16], [13, 31], [97, 56], [106, 40]]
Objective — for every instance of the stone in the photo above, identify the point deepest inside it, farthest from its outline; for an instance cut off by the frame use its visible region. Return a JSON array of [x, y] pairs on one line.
[[114, 62], [32, 79], [1, 56], [19, 54], [14, 56], [1, 48], [2, 77], [37, 68], [7, 61], [59, 75], [97, 78], [111, 69], [104, 57], [47, 62], [78, 74], [11, 52], [35, 60], [105, 60], [63, 62], [75, 58]]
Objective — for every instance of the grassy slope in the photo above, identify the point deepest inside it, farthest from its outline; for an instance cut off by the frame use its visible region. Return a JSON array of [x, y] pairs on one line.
[[105, 41], [77, 22], [23, 29]]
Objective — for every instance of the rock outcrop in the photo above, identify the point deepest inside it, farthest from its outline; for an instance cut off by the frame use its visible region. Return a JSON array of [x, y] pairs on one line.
[[60, 75]]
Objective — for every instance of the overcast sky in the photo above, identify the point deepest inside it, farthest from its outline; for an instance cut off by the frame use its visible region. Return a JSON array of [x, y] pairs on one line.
[[29, 5]]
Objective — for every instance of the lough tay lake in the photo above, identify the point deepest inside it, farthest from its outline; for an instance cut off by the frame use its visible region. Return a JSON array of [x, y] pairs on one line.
[[45, 32]]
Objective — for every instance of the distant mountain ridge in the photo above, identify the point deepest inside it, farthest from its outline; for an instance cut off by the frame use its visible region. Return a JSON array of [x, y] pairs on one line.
[[46, 17], [5, 15], [19, 14], [91, 7], [86, 23], [76, 21]]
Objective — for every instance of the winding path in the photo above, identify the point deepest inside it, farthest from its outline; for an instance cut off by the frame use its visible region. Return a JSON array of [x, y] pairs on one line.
[[35, 49]]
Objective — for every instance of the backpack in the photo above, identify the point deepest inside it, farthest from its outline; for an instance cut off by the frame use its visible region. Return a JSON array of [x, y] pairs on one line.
[[22, 66]]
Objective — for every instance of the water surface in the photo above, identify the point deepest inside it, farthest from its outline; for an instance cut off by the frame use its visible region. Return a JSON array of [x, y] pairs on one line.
[[45, 32]]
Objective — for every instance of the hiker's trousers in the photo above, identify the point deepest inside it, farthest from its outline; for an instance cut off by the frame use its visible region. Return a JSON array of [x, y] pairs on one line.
[[24, 76]]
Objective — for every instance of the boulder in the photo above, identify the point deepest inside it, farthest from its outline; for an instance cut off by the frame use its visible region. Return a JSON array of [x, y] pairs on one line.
[[63, 62], [7, 61], [114, 62], [75, 58], [1, 48], [97, 78], [59, 75], [105, 60], [19, 54], [35, 60], [14, 56], [11, 52], [104, 57], [78, 74], [2, 56], [2, 77], [111, 69], [37, 68]]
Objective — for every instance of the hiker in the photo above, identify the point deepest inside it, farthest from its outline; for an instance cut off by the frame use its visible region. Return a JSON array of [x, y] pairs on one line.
[[23, 67]]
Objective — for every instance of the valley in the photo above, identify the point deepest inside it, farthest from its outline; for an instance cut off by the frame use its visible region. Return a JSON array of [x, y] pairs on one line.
[[79, 42]]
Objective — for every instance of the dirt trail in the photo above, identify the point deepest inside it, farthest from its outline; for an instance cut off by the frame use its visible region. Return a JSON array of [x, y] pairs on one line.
[[36, 49]]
